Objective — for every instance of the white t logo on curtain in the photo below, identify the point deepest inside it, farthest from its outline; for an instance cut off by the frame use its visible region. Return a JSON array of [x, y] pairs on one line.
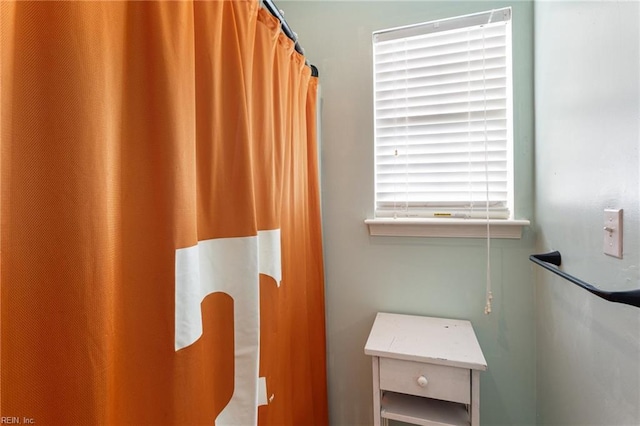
[[231, 266]]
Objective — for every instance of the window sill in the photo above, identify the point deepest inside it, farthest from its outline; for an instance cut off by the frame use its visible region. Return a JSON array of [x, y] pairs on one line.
[[446, 228]]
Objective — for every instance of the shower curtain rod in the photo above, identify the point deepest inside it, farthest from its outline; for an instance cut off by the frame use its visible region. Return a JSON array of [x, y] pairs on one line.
[[273, 9], [630, 297]]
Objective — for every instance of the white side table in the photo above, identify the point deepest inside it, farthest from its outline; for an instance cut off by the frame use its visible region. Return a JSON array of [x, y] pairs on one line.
[[426, 371]]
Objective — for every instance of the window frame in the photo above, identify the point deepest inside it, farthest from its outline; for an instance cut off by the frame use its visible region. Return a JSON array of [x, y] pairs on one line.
[[454, 226]]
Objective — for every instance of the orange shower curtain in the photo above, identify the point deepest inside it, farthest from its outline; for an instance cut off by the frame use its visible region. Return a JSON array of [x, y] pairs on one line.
[[161, 258]]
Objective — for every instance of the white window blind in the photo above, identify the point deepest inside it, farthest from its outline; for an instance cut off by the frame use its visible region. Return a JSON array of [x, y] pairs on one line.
[[443, 118]]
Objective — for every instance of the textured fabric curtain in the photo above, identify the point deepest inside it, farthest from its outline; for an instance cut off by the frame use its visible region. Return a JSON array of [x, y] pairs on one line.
[[161, 257]]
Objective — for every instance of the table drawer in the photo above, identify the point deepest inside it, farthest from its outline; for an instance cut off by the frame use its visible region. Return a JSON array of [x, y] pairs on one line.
[[442, 382]]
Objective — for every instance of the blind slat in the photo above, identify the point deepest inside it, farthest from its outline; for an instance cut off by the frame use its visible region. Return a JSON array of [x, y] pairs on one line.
[[482, 65], [393, 98], [406, 63], [412, 114], [474, 121], [421, 84]]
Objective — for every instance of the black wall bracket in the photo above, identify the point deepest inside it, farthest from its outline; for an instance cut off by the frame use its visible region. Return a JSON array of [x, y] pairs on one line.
[[630, 297]]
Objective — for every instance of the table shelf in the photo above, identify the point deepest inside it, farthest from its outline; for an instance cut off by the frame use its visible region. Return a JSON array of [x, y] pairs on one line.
[[423, 411]]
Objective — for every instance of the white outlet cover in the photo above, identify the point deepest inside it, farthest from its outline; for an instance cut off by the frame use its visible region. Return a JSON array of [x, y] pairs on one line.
[[613, 232]]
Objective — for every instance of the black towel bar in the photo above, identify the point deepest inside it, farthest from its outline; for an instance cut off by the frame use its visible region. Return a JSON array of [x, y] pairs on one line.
[[630, 297]]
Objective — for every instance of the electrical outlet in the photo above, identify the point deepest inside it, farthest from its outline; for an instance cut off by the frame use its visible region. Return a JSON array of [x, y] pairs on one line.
[[613, 232]]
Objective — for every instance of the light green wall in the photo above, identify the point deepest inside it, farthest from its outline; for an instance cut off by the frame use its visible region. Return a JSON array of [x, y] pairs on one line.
[[434, 277], [587, 95]]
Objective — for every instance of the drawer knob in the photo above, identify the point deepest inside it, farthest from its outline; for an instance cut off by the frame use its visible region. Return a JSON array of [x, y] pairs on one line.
[[422, 381]]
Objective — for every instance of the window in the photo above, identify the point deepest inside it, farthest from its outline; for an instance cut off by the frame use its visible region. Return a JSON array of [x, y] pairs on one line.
[[443, 118]]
